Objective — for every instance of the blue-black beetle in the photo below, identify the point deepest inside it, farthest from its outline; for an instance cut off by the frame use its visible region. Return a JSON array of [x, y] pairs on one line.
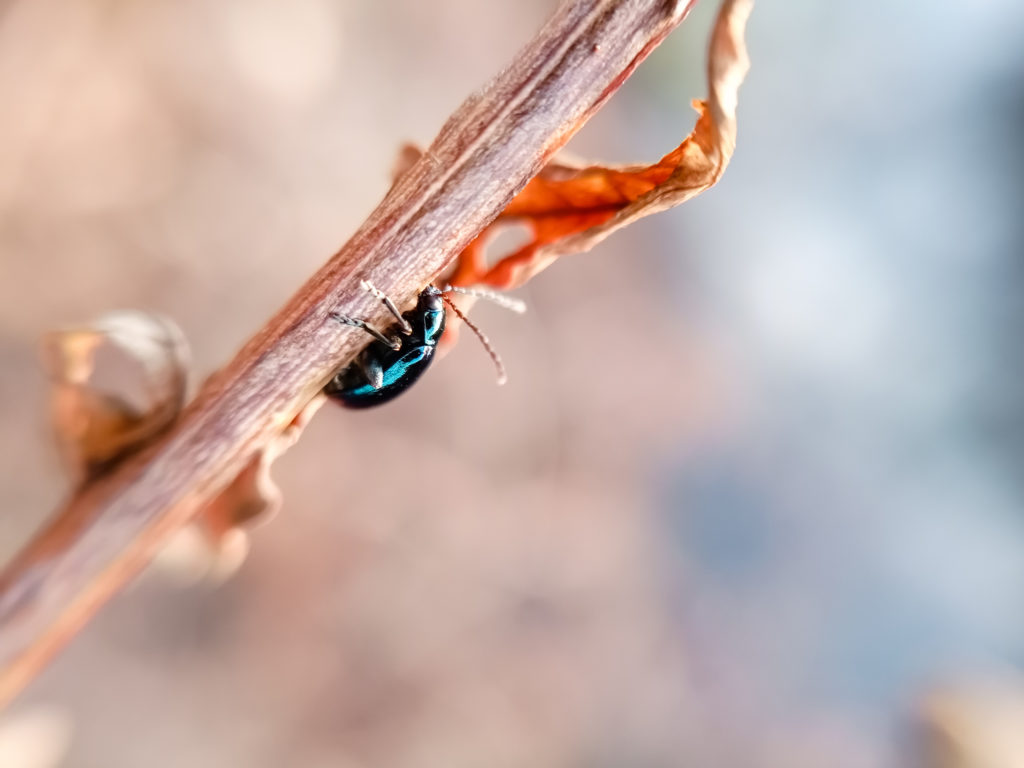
[[392, 364]]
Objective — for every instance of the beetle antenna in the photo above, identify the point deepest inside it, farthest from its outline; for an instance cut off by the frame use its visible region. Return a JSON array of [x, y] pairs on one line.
[[484, 293], [502, 376]]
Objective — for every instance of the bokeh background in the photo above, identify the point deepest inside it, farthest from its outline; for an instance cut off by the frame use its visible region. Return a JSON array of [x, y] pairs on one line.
[[752, 496]]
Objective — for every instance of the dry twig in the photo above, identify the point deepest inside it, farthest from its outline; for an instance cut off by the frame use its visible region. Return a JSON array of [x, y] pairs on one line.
[[110, 528]]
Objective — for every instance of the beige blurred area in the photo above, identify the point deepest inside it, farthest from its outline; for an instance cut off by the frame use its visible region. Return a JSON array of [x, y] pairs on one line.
[[468, 577], [751, 498]]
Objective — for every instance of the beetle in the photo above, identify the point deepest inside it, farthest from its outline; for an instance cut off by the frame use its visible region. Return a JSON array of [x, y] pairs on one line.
[[392, 363]]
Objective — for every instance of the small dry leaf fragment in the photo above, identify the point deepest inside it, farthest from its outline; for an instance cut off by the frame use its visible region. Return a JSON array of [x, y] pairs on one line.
[[979, 725], [97, 425], [191, 557], [35, 738], [214, 547], [570, 208]]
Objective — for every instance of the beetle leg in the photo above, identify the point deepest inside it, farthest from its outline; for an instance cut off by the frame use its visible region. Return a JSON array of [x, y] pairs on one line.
[[356, 323], [367, 285], [372, 370]]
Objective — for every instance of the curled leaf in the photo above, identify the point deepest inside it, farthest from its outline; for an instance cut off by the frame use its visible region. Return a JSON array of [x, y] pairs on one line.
[[569, 208], [98, 422]]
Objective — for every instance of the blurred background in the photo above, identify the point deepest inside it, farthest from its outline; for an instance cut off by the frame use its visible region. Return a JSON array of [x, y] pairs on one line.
[[752, 496]]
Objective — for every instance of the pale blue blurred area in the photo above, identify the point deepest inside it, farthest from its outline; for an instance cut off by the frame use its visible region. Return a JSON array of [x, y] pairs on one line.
[[859, 537]]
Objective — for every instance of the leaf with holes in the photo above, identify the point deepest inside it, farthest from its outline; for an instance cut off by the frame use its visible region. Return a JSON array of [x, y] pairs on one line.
[[569, 208]]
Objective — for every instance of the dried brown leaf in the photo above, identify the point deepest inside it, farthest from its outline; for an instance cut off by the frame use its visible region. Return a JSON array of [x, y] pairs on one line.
[[569, 208], [96, 426]]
